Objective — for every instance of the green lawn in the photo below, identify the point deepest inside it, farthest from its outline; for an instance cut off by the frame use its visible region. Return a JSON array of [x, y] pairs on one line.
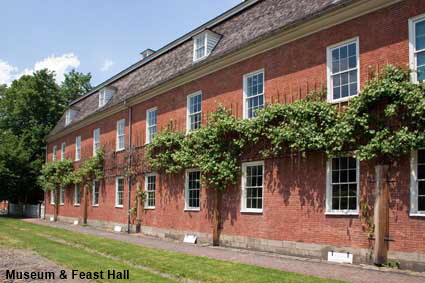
[[90, 253]]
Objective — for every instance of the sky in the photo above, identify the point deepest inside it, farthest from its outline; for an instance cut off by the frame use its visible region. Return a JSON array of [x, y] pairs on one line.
[[102, 37]]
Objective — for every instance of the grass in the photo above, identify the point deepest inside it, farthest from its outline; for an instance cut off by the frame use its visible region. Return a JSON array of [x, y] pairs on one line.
[[90, 253]]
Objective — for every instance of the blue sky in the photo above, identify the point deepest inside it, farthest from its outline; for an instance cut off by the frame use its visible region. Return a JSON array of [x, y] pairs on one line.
[[98, 36]]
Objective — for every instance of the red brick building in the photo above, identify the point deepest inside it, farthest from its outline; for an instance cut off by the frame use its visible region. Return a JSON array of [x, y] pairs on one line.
[[257, 53]]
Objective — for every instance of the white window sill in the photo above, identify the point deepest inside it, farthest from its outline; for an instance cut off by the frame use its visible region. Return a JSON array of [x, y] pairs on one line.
[[342, 213], [61, 204], [257, 211], [199, 59], [149, 207], [193, 209], [119, 206], [95, 205], [340, 100], [77, 204], [417, 214], [119, 150]]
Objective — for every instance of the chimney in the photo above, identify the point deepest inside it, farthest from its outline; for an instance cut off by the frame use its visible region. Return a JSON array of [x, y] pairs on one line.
[[146, 53]]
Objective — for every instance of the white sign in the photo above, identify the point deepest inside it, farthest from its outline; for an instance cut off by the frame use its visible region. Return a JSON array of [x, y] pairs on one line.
[[75, 222], [117, 228], [191, 239], [340, 257]]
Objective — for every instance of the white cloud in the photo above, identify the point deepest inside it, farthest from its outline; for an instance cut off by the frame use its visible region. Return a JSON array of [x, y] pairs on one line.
[[107, 64], [59, 64], [7, 72]]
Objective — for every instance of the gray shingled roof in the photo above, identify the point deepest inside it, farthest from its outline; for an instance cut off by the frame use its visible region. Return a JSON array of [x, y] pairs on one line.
[[258, 21]]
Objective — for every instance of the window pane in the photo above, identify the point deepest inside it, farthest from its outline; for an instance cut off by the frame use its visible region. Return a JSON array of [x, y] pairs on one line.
[[420, 35], [421, 156], [421, 203], [421, 172], [344, 183], [421, 188]]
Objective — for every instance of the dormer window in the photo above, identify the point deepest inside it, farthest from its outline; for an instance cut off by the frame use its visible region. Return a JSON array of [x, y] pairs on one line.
[[204, 44], [69, 116], [105, 95]]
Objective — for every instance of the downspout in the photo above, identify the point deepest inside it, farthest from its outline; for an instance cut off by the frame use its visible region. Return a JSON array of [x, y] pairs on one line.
[[129, 166]]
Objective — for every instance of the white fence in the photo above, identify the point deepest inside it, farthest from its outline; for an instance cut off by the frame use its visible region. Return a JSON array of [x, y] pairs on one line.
[[26, 210]]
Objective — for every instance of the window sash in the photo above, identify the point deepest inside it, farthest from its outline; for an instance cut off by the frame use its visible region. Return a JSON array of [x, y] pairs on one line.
[[54, 153], [253, 81], [200, 47], [52, 197], [77, 194], [120, 134], [78, 148], [119, 197], [61, 195], [150, 185], [96, 140], [417, 169], [63, 148], [252, 202], [194, 111], [193, 190], [351, 87], [151, 122], [343, 185], [95, 201]]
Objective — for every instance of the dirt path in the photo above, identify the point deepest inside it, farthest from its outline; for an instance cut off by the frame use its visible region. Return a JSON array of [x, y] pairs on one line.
[[22, 260]]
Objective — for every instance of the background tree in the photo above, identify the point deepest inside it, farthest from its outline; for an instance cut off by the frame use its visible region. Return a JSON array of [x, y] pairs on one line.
[[74, 85], [29, 109]]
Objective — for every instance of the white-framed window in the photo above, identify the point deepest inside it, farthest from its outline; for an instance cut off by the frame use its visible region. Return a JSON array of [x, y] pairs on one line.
[[417, 183], [62, 195], [78, 148], [204, 44], [119, 192], [55, 149], [151, 115], [77, 195], [253, 93], [192, 189], [121, 134], [252, 187], [200, 47], [417, 47], [96, 140], [105, 95], [63, 147], [52, 197], [95, 194], [342, 185], [150, 185], [343, 70], [194, 111], [69, 116]]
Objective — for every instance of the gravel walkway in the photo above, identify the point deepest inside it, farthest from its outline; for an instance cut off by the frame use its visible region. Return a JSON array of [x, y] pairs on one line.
[[352, 273], [28, 261]]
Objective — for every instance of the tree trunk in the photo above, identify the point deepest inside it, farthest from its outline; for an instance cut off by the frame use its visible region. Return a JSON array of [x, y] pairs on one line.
[[381, 215], [218, 195], [56, 212], [138, 214], [86, 203]]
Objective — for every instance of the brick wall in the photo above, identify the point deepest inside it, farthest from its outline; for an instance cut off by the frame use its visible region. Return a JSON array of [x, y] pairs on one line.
[[294, 195]]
